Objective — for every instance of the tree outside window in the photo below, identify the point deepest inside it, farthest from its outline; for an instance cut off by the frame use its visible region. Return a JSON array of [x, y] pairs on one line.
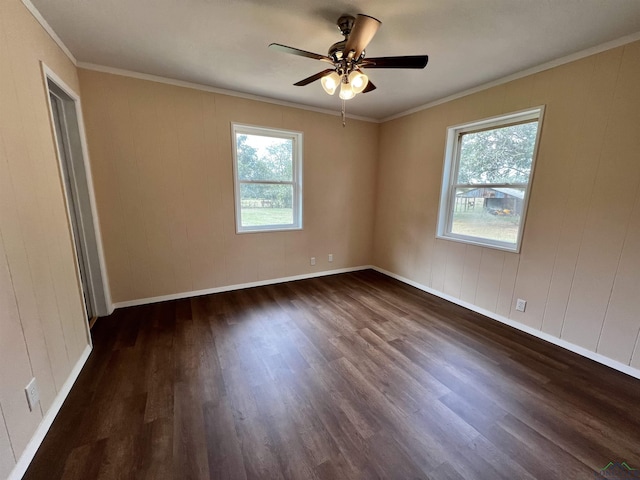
[[268, 179], [488, 171]]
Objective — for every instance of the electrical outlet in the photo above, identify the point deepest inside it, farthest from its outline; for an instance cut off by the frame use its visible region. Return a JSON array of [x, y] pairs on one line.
[[331, 257], [313, 261], [521, 305], [33, 395]]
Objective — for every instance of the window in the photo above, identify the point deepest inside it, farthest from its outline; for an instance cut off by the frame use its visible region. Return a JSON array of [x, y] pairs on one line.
[[267, 167], [487, 175]]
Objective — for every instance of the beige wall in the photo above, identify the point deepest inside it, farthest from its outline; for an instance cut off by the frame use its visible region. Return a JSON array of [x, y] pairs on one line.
[[42, 329], [579, 267], [161, 159], [162, 166]]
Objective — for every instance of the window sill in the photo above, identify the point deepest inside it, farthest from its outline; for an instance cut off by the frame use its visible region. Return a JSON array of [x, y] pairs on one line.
[[269, 229], [505, 247]]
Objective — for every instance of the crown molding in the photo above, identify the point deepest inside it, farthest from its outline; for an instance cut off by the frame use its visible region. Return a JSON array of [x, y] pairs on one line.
[[47, 28], [196, 86], [207, 88], [524, 73], [170, 81]]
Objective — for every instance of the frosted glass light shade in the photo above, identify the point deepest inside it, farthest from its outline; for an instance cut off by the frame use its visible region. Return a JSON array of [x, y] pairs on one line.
[[358, 81], [346, 92], [330, 82]]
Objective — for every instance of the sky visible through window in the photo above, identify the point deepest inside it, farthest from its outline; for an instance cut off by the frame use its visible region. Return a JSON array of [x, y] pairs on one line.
[[261, 143]]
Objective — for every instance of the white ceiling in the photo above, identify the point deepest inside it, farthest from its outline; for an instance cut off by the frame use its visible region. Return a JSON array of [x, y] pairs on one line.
[[223, 43]]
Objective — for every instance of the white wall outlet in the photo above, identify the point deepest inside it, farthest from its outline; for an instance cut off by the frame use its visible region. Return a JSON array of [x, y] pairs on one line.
[[331, 257], [33, 395], [313, 261], [521, 305]]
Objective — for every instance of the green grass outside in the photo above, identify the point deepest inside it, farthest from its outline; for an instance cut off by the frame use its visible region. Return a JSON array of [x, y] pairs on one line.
[[254, 217], [478, 223]]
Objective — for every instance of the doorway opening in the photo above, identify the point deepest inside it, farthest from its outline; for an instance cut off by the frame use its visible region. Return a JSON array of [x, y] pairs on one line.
[[76, 181]]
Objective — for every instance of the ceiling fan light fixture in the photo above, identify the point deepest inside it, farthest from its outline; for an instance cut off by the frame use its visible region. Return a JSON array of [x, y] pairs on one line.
[[347, 59], [346, 91], [358, 81], [330, 82]]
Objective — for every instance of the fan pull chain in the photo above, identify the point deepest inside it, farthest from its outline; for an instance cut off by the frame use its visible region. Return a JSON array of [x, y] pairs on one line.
[[344, 117]]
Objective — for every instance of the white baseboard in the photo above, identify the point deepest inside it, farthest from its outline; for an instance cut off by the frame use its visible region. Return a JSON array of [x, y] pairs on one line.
[[240, 286], [634, 372], [596, 357], [33, 445]]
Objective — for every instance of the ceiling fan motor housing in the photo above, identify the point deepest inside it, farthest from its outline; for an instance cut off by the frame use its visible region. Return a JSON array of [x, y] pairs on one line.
[[336, 51], [345, 24], [347, 58]]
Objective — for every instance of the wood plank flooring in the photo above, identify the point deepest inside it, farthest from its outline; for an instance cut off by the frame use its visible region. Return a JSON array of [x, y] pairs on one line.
[[340, 377]]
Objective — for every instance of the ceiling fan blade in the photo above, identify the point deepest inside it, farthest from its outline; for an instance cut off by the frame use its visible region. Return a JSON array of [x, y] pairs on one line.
[[411, 61], [369, 88], [300, 53], [313, 78], [364, 28]]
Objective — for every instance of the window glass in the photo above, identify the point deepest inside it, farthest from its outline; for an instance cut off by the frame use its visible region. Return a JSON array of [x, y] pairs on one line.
[[488, 171], [264, 158], [498, 155], [268, 179], [266, 205]]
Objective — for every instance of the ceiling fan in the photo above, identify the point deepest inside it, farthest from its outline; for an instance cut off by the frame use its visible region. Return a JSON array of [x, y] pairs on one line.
[[347, 58]]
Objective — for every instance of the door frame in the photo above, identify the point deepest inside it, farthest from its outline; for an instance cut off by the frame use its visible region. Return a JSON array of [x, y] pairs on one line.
[[105, 305]]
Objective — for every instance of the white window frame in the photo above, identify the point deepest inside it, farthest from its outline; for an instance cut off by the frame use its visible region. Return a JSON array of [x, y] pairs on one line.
[[450, 173], [296, 183]]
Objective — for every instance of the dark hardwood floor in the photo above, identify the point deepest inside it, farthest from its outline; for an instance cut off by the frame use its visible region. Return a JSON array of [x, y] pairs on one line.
[[347, 376]]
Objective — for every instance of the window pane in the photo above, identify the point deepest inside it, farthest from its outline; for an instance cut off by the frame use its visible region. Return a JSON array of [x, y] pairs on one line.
[[264, 158], [499, 155], [266, 205], [488, 213]]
